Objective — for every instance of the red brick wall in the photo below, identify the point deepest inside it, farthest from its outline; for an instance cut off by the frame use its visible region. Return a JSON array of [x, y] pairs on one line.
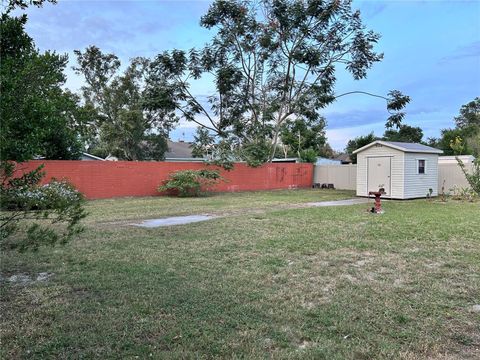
[[108, 179]]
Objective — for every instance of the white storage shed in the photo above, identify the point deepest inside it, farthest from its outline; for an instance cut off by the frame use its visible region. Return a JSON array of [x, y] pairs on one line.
[[403, 170]]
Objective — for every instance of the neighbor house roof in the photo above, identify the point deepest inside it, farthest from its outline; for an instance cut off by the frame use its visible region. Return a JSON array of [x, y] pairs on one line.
[[87, 156], [402, 146], [178, 149], [344, 158]]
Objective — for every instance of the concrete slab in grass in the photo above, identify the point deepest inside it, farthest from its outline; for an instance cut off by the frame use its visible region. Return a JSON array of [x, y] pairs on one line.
[[174, 220], [341, 202]]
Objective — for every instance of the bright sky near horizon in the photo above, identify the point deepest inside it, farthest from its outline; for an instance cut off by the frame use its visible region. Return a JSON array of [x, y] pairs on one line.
[[432, 53]]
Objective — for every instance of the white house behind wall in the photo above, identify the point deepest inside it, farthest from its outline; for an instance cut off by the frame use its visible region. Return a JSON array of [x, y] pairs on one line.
[[404, 170]]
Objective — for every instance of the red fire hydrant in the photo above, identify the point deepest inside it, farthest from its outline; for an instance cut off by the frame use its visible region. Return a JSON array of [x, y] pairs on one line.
[[378, 204]]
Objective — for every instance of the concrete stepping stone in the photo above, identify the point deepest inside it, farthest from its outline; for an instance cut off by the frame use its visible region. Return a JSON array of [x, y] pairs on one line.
[[341, 202], [174, 220]]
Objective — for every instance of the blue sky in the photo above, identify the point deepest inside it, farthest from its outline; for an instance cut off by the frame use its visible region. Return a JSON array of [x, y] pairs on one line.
[[432, 53]]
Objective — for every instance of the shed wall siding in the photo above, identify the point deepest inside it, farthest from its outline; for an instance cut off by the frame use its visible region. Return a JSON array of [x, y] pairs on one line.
[[417, 185], [397, 166]]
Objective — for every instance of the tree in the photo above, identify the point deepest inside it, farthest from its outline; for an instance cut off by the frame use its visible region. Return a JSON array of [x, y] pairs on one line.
[[125, 128], [326, 151], [202, 143], [467, 141], [468, 121], [469, 115], [302, 134], [405, 133], [357, 143], [473, 143], [23, 4], [37, 116], [273, 62], [467, 130]]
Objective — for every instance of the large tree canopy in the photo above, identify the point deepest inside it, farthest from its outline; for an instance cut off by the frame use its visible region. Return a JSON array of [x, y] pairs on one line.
[[303, 134], [405, 133], [466, 133], [37, 116], [469, 115], [357, 143], [272, 61], [124, 128]]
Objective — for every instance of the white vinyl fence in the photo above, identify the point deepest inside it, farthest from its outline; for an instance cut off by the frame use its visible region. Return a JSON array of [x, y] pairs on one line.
[[452, 175], [344, 177]]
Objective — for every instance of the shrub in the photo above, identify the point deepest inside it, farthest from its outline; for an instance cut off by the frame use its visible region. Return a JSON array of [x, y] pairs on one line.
[[27, 206], [190, 182]]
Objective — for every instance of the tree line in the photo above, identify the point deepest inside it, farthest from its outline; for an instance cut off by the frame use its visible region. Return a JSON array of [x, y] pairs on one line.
[[463, 139], [273, 74], [273, 65]]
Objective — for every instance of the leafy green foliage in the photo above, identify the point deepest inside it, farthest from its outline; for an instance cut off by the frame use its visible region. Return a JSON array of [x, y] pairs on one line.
[[38, 116], [473, 177], [357, 143], [396, 101], [125, 126], [463, 193], [467, 129], [457, 145], [223, 154], [301, 134], [326, 151], [23, 4], [256, 153], [308, 156], [203, 141], [469, 115], [405, 133], [25, 206], [273, 62], [190, 182], [469, 142]]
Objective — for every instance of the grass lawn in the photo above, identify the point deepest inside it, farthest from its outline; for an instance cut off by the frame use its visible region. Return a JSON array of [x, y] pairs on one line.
[[265, 280]]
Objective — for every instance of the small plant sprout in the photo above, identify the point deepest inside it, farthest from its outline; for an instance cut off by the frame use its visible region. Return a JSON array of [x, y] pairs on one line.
[[429, 193]]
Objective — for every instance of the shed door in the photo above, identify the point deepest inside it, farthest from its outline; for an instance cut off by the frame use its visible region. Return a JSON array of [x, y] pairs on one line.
[[379, 172]]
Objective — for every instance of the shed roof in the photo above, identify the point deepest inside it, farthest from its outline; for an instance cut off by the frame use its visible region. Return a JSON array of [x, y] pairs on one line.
[[403, 146]]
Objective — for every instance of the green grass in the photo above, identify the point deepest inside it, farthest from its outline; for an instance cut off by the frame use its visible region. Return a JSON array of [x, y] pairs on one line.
[[265, 280], [126, 209]]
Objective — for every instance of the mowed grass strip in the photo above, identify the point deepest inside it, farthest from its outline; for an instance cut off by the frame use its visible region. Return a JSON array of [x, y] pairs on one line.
[[332, 283]]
